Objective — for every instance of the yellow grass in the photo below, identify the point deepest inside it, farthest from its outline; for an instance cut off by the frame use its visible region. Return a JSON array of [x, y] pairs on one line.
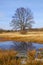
[[34, 36]]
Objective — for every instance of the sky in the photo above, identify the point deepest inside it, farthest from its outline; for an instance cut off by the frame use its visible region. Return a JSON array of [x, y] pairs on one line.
[[8, 7]]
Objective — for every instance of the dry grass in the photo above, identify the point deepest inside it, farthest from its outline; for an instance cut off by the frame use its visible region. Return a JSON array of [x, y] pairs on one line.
[[8, 57], [33, 36]]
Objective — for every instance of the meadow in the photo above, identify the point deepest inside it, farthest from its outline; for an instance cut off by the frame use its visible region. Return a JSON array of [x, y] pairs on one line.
[[31, 36]]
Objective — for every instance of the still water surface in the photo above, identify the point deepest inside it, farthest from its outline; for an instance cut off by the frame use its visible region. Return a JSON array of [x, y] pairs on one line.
[[12, 45]]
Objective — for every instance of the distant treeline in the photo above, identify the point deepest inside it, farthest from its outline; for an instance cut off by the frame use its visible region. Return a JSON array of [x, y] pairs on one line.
[[36, 29], [33, 29], [2, 30]]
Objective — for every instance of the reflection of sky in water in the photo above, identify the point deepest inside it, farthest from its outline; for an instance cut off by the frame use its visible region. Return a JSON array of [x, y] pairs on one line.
[[38, 45], [10, 44], [6, 45]]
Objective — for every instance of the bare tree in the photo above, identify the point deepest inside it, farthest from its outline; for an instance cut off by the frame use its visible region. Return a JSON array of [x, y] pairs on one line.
[[22, 19]]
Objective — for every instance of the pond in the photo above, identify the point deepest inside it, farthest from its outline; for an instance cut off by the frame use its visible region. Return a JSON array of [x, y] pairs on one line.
[[18, 45]]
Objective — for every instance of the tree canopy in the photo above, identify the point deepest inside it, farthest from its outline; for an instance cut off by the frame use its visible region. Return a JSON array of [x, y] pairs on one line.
[[22, 19]]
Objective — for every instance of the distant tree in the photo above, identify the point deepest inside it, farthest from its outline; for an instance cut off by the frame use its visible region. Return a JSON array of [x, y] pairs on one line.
[[22, 19]]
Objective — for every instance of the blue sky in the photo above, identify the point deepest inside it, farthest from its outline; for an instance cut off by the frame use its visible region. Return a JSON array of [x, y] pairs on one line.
[[8, 7]]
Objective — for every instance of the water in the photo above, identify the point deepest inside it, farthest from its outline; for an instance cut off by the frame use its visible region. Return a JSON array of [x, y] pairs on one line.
[[6, 45], [18, 46]]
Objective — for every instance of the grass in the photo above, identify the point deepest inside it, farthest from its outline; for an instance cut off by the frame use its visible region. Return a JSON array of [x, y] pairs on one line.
[[8, 57], [31, 36]]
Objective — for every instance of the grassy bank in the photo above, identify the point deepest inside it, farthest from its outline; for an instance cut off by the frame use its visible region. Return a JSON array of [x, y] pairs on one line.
[[8, 57], [34, 36]]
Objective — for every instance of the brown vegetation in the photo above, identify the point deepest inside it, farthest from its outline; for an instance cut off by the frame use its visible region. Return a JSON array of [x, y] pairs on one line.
[[8, 57], [31, 36]]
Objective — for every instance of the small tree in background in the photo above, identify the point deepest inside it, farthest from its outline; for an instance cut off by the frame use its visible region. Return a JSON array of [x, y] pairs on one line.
[[22, 19]]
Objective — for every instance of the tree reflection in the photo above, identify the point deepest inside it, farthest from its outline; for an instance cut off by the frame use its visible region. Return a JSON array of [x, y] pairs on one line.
[[23, 46]]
